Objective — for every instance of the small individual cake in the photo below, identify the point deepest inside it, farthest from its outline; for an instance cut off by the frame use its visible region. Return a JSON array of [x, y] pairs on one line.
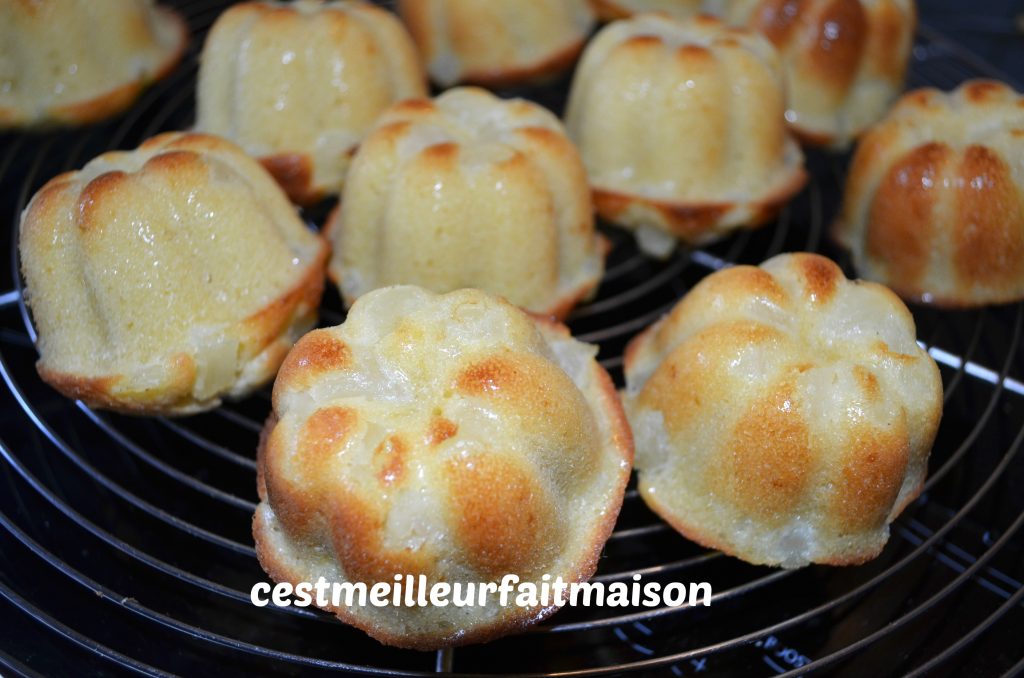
[[934, 201], [783, 414], [299, 84], [164, 278], [845, 60], [468, 190], [449, 436], [681, 128], [497, 43], [78, 61]]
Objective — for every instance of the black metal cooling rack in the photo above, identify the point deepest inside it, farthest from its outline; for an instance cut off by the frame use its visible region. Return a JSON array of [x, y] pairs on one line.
[[125, 543]]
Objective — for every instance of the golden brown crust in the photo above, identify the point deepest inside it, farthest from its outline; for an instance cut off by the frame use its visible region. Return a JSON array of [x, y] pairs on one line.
[[988, 236], [695, 54], [872, 474], [294, 172], [820, 139], [323, 434], [836, 60], [938, 218], [417, 22], [778, 19], [355, 528], [94, 194], [608, 10], [484, 490], [770, 461], [694, 222], [821, 278], [441, 429], [100, 392], [93, 390], [687, 222], [884, 41], [316, 353], [900, 218], [983, 91], [868, 383]]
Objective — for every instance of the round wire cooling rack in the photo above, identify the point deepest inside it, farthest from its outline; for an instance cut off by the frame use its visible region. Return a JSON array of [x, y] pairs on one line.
[[125, 543]]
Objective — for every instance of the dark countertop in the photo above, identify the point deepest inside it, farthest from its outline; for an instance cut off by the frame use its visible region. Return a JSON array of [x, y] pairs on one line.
[[992, 29]]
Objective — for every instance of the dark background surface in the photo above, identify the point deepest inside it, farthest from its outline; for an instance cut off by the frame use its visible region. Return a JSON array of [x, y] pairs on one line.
[[993, 29]]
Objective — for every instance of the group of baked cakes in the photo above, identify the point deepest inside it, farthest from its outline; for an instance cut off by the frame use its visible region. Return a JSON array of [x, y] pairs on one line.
[[451, 426]]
